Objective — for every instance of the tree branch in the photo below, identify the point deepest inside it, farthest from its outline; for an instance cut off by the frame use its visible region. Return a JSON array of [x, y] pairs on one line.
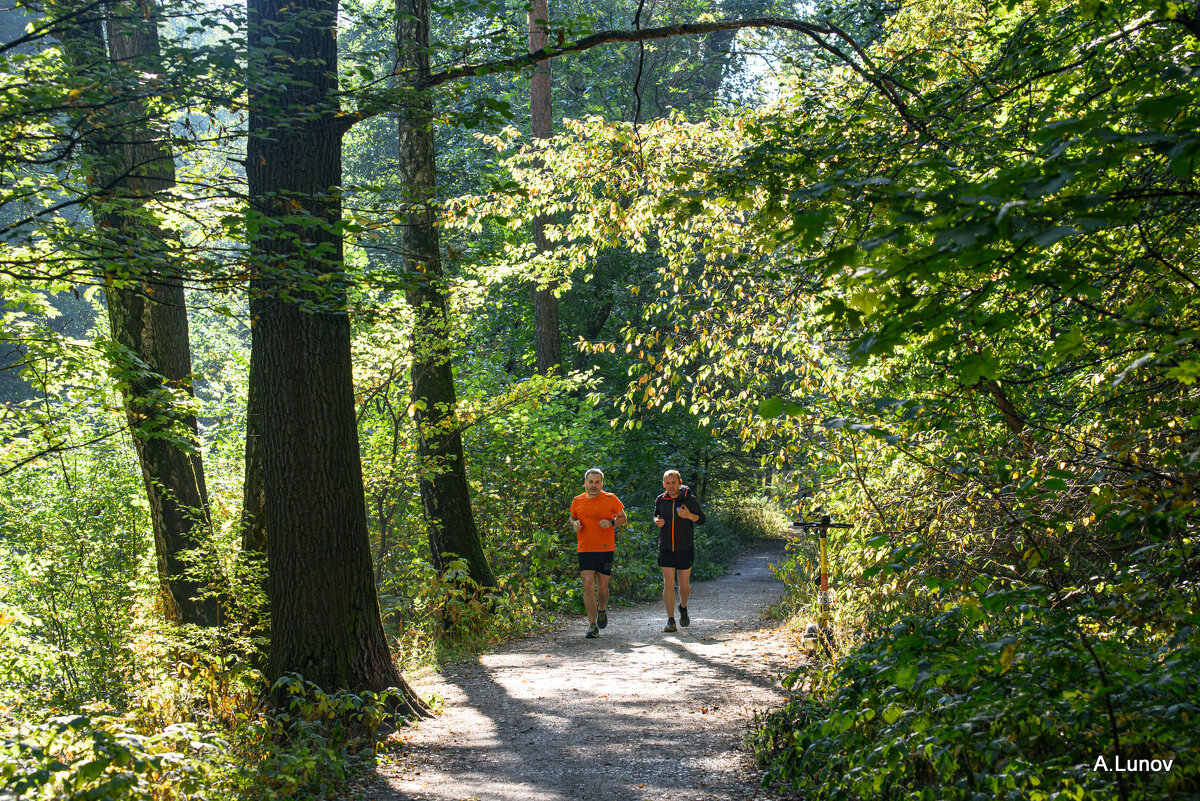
[[819, 34]]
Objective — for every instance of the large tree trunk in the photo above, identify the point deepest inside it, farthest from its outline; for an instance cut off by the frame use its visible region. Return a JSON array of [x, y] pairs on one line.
[[254, 530], [130, 162], [547, 341], [255, 587], [325, 622], [444, 493]]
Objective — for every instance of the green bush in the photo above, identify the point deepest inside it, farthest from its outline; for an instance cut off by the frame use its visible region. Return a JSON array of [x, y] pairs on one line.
[[307, 750], [1004, 694], [73, 551]]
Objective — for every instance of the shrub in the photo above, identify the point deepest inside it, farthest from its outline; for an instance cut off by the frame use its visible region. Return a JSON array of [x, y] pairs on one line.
[[1004, 694]]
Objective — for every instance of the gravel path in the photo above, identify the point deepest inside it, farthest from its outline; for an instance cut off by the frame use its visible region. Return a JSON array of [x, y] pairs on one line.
[[636, 714]]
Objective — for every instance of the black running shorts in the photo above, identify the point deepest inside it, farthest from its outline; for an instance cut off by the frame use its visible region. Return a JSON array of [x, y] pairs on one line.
[[600, 561], [680, 560]]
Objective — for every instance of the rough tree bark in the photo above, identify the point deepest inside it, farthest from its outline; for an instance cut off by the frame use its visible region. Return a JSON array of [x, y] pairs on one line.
[[129, 163], [547, 340], [254, 530], [325, 621], [445, 495]]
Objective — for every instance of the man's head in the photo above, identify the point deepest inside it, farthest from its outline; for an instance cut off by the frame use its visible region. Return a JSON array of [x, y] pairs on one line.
[[593, 482], [672, 481]]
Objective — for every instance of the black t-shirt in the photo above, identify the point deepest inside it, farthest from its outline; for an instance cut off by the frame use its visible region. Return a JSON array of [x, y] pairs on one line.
[[677, 534]]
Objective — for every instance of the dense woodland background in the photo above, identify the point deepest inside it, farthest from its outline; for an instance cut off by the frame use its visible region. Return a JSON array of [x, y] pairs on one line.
[[308, 336]]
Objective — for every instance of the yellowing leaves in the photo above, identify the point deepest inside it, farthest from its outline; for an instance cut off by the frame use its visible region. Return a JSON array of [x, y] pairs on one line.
[[1007, 656]]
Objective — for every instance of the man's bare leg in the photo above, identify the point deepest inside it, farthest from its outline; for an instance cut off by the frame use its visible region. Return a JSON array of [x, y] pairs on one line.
[[589, 593], [685, 587], [669, 590], [602, 580]]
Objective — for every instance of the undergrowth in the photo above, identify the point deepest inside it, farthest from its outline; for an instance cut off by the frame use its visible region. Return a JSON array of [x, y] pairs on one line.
[[1007, 692], [307, 750]]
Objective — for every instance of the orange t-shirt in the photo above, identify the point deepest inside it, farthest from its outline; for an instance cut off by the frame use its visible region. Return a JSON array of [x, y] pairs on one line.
[[590, 511]]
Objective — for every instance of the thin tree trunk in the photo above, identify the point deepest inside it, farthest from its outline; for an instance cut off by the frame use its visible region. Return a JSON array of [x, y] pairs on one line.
[[130, 162], [445, 496], [325, 621], [547, 341], [1012, 418], [383, 520]]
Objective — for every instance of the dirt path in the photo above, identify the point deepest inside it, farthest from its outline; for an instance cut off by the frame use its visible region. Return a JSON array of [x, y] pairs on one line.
[[636, 714]]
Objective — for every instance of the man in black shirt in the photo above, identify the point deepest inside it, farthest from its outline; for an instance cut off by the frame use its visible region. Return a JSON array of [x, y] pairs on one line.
[[676, 512]]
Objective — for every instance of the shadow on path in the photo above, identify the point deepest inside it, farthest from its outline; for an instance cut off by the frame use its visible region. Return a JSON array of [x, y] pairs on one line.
[[637, 714]]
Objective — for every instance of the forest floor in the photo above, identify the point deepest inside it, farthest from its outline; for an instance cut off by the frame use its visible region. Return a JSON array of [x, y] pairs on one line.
[[637, 714]]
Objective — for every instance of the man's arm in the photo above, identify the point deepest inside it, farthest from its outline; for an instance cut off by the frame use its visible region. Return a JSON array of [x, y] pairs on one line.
[[690, 510], [618, 519]]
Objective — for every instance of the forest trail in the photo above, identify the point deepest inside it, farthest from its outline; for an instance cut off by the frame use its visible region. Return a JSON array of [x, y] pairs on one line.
[[635, 715]]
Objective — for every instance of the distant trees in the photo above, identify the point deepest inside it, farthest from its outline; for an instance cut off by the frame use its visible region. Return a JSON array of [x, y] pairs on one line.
[[127, 162]]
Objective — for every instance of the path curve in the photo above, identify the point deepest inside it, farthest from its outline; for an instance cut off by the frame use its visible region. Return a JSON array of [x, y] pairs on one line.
[[634, 715]]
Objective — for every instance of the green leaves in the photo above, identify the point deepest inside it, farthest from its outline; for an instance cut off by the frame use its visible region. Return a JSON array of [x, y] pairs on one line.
[[1004, 698], [1186, 372], [771, 407], [976, 367], [1069, 343], [905, 676]]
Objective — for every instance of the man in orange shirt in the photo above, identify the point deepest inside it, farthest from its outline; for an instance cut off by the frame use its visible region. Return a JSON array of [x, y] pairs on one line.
[[595, 514]]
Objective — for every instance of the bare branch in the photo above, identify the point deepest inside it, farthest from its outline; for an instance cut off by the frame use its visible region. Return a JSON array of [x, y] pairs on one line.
[[57, 447], [821, 35], [607, 37]]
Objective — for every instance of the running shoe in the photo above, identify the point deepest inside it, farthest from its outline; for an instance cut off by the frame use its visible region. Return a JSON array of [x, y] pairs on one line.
[[593, 632], [684, 620], [670, 625], [602, 619]]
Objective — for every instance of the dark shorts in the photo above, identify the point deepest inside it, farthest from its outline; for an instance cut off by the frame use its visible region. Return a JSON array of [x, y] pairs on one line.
[[600, 561], [680, 560]]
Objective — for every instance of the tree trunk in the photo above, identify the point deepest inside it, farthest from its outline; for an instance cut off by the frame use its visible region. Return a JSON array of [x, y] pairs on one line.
[[255, 598], [383, 520], [325, 622], [254, 531], [547, 342], [129, 162], [151, 322], [445, 495]]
